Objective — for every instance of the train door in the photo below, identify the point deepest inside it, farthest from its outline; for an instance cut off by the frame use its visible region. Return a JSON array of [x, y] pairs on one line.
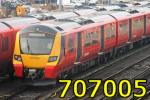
[[87, 42], [79, 46], [71, 51], [95, 44], [102, 38], [130, 29], [145, 24], [109, 36], [0, 47], [5, 46]]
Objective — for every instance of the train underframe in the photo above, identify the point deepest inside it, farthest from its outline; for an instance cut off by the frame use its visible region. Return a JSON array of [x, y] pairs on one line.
[[6, 69]]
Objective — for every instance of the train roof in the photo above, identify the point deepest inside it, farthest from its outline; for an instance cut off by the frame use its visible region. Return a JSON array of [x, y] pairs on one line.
[[108, 8], [85, 12], [142, 3], [62, 26], [3, 28], [121, 15], [94, 18], [19, 22], [102, 19], [61, 15], [79, 20], [137, 9]]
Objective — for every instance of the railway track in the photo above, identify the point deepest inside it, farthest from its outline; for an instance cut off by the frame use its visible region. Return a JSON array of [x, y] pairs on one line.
[[140, 70], [110, 69], [9, 88], [131, 72], [147, 96]]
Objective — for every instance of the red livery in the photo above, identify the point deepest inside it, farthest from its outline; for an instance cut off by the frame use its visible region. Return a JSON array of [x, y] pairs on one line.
[[8, 29]]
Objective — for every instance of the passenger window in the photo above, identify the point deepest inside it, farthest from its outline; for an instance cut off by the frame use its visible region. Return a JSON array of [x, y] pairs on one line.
[[138, 23], [110, 32], [149, 20], [123, 28], [5, 43], [87, 39], [71, 43], [94, 37]]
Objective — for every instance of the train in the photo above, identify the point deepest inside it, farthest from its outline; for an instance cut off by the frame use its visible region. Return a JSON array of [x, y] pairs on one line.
[[50, 51], [10, 26], [8, 29]]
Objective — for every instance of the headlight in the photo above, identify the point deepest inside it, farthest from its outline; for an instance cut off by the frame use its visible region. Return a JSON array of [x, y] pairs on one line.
[[17, 57], [52, 59]]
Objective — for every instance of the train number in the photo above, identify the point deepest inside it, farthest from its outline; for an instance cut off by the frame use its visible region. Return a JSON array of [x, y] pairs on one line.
[[124, 88]]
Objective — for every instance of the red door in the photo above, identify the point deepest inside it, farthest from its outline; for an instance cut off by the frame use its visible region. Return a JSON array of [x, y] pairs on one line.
[[0, 48], [147, 25], [86, 40], [6, 48], [109, 36], [70, 50]]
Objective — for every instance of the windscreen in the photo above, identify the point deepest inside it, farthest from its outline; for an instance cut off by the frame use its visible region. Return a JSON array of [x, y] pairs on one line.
[[37, 39], [36, 43]]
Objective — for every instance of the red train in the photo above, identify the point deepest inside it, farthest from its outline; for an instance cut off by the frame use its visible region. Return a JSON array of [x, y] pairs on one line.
[[49, 51], [8, 29]]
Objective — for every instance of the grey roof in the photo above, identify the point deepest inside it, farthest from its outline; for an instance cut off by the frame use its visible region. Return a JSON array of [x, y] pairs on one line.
[[62, 26], [100, 18], [18, 21], [84, 12], [109, 8], [120, 15], [61, 15], [3, 28]]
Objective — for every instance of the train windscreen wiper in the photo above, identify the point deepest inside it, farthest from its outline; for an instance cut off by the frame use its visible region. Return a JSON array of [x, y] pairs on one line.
[[28, 46]]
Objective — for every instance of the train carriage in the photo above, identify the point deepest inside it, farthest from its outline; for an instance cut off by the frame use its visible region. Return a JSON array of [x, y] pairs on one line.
[[50, 50], [9, 27], [5, 48], [74, 43]]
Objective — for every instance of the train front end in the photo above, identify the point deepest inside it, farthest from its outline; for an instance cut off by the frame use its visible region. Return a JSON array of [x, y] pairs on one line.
[[37, 53]]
